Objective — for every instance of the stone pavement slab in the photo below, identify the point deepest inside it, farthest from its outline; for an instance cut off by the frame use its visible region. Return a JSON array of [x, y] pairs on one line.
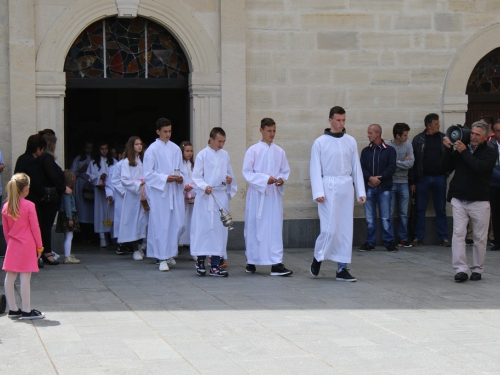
[[404, 315]]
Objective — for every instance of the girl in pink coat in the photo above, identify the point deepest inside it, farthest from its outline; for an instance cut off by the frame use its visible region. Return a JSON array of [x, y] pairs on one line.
[[24, 245]]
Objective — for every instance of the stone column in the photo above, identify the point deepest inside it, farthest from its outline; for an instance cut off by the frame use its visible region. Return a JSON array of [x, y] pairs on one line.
[[205, 100], [233, 79], [454, 110], [50, 93], [22, 57]]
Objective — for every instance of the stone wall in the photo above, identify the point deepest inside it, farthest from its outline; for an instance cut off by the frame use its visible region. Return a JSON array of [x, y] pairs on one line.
[[384, 61]]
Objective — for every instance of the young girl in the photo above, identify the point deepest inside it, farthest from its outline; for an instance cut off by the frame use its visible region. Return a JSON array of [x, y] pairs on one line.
[[98, 173], [24, 245], [67, 221], [189, 193], [133, 219]]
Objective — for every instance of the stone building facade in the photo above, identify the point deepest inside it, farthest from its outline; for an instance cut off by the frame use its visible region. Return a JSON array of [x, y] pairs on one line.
[[385, 61]]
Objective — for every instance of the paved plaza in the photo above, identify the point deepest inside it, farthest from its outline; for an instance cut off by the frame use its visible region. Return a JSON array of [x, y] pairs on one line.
[[113, 315]]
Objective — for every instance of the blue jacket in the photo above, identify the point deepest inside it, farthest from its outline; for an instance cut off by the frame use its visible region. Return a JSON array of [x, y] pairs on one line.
[[386, 163], [68, 205], [495, 177]]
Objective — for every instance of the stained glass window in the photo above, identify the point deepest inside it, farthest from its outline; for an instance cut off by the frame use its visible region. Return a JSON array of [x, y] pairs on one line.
[[134, 48], [485, 78]]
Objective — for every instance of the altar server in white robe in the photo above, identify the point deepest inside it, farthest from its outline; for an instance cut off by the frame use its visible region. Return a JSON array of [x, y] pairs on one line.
[[98, 173], [189, 192], [119, 193], [134, 219], [164, 187], [266, 169], [215, 186], [85, 208], [334, 168]]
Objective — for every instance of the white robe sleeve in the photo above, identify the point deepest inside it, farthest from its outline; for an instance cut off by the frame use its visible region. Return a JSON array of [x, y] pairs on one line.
[[357, 174], [153, 178], [93, 173], [116, 178], [198, 173], [108, 187], [315, 172], [284, 171], [127, 182], [257, 180], [232, 188]]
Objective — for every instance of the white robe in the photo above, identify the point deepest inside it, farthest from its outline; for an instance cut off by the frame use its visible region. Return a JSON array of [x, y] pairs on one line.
[[134, 219], [111, 192], [264, 206], [334, 168], [184, 238], [102, 211], [208, 234], [84, 208], [166, 201]]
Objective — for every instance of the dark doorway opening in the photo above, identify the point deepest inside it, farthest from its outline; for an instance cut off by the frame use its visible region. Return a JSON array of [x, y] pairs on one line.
[[115, 114]]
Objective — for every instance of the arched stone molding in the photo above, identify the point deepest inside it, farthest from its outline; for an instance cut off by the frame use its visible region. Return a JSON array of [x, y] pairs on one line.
[[204, 61], [455, 100]]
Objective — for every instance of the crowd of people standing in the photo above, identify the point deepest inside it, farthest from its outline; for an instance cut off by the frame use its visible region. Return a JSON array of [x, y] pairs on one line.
[[149, 201]]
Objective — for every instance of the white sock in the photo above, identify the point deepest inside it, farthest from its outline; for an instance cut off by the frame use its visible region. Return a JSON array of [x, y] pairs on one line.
[[26, 290], [102, 235], [68, 238], [10, 294]]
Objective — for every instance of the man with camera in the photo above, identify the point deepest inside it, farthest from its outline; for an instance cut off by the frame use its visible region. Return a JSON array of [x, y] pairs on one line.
[[469, 192]]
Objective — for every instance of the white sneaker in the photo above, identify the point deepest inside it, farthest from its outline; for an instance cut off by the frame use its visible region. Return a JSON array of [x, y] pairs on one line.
[[194, 257], [137, 255], [171, 261], [103, 243], [141, 251], [164, 265]]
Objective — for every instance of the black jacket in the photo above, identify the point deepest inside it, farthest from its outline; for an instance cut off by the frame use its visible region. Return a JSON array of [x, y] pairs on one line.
[[26, 163], [387, 164], [52, 174], [471, 181], [416, 173]]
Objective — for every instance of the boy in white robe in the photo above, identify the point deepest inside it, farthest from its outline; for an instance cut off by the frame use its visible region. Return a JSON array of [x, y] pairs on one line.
[[334, 167], [215, 186], [164, 187], [266, 169]]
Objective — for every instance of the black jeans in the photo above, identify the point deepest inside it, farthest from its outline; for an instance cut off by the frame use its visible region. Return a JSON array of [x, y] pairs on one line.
[[495, 212], [46, 215]]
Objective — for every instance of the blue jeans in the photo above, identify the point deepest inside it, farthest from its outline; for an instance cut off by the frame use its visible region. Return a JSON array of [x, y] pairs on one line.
[[376, 196], [401, 194], [436, 184]]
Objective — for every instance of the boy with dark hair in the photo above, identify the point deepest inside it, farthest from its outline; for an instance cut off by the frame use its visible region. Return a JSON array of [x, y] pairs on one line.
[[162, 163], [215, 186], [400, 190], [266, 169]]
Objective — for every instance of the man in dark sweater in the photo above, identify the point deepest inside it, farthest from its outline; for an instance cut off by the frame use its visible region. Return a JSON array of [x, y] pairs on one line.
[[469, 194], [426, 176], [378, 162]]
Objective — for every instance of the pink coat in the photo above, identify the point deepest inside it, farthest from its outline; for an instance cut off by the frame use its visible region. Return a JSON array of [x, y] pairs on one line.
[[22, 237]]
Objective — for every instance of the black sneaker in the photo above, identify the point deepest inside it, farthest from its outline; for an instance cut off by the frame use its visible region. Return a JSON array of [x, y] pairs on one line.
[[280, 270], [366, 247], [404, 244], [32, 315], [121, 250], [200, 268], [250, 268], [3, 303], [157, 261], [15, 314], [391, 248], [469, 242], [495, 248], [315, 266], [344, 275], [461, 276], [475, 276], [216, 271]]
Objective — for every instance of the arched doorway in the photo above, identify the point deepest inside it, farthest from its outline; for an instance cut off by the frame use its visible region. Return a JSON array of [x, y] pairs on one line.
[[483, 88], [121, 76]]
